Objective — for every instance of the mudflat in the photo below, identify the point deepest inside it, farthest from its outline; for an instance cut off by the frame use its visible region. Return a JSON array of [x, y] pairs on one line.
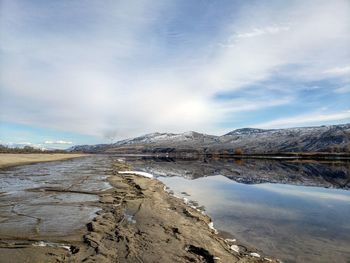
[[13, 159]]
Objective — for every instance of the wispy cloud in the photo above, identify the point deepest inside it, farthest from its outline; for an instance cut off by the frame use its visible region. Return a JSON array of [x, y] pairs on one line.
[[338, 71], [269, 30], [121, 68], [58, 142], [306, 119]]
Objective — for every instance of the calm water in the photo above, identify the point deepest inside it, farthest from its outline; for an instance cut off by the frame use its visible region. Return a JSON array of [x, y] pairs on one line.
[[50, 201], [298, 212], [302, 216]]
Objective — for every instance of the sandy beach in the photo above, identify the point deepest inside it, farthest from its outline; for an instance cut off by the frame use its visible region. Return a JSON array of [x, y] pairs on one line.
[[14, 159]]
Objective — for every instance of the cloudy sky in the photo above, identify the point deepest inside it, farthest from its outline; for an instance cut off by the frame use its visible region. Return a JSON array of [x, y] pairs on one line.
[[75, 72]]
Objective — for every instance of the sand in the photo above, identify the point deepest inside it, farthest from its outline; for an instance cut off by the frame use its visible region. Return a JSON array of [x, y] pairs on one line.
[[14, 159]]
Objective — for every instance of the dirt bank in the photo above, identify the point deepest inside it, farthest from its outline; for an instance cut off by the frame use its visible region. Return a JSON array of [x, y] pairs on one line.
[[13, 159]]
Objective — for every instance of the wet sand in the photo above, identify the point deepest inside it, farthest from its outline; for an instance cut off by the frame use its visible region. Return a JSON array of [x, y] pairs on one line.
[[14, 159], [138, 222]]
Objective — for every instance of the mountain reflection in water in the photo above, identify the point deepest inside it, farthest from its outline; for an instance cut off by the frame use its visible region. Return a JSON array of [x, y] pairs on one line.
[[333, 174], [296, 211]]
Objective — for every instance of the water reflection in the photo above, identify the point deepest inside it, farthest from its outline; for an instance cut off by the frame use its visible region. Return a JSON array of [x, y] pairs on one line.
[[249, 171], [287, 209]]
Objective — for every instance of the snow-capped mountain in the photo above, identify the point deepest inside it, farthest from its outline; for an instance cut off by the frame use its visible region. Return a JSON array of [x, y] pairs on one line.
[[246, 131], [170, 138], [334, 138]]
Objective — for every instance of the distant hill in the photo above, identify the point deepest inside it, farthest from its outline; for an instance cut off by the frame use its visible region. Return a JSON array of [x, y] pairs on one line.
[[334, 138]]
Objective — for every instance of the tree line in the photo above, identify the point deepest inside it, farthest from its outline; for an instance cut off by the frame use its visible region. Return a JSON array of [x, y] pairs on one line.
[[27, 149]]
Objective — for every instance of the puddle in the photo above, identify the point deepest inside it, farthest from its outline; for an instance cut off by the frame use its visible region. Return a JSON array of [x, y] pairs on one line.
[[51, 200]]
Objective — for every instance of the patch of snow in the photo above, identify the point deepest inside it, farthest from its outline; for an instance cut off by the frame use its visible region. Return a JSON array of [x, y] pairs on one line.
[[235, 248], [253, 254], [148, 175], [211, 226], [230, 240], [50, 244], [130, 218]]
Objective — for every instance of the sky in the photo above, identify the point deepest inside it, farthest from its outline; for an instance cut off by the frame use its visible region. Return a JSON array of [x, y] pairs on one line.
[[86, 72]]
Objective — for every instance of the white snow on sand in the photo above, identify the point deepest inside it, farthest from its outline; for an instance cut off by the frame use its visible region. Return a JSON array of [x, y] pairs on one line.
[[137, 173], [253, 254], [211, 226], [50, 244], [235, 248]]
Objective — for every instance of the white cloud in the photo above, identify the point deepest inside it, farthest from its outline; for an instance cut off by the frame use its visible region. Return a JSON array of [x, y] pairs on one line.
[[306, 119], [58, 142], [115, 74], [269, 30], [338, 71], [241, 105], [23, 144]]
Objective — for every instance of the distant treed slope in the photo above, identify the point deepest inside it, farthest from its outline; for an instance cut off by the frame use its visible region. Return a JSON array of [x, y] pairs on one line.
[[335, 138]]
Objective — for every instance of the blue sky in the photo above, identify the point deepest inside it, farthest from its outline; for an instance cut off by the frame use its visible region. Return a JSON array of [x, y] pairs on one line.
[[76, 72]]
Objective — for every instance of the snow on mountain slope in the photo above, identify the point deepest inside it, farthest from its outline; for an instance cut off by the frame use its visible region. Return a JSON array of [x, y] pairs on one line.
[[323, 138], [334, 138], [169, 138]]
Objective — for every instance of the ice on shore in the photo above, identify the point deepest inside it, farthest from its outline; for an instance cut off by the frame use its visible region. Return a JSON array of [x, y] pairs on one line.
[[129, 218], [185, 200], [211, 226], [148, 175], [50, 244], [235, 248], [253, 254]]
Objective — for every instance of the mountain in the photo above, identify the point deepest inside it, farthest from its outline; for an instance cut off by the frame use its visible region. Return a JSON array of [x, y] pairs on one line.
[[246, 131], [334, 138], [170, 138]]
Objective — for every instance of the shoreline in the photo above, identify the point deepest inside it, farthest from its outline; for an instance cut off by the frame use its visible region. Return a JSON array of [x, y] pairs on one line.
[[15, 159], [138, 221], [303, 156]]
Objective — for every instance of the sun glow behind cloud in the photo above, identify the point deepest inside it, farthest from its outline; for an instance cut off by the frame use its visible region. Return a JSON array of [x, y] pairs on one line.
[[119, 69]]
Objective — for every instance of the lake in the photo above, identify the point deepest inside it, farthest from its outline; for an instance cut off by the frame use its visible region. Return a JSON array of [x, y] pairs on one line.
[[295, 211]]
